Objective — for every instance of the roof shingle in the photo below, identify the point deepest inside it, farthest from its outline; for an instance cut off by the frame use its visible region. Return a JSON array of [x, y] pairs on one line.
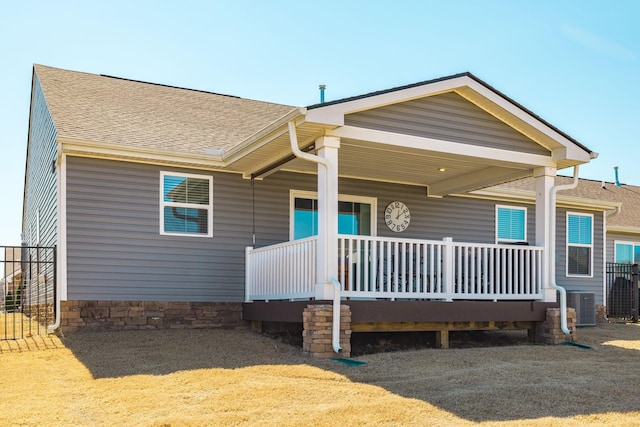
[[107, 109], [628, 195]]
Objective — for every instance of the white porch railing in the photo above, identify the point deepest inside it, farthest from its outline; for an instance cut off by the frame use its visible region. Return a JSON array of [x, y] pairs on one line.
[[382, 267], [283, 271]]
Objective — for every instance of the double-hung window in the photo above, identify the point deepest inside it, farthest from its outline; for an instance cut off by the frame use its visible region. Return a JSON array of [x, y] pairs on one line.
[[511, 224], [579, 244], [627, 252], [186, 204]]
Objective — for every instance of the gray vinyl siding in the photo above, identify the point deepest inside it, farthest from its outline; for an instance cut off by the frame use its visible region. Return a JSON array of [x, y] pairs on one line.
[[116, 252], [448, 117], [586, 284], [41, 177]]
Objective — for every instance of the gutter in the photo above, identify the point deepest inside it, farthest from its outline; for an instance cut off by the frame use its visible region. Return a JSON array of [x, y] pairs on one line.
[[615, 212], [552, 248], [335, 333]]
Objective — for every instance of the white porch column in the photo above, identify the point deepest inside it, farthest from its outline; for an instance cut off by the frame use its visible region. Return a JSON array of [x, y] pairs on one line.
[[327, 266], [545, 180]]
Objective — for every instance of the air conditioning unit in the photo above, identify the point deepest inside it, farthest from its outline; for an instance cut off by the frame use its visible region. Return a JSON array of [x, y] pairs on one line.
[[585, 305]]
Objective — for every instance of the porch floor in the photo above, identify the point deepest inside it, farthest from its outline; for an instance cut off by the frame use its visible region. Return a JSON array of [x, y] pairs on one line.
[[403, 316]]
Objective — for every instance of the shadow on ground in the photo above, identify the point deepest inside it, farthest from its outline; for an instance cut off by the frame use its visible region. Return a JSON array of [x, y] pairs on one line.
[[487, 377], [505, 378], [158, 352]]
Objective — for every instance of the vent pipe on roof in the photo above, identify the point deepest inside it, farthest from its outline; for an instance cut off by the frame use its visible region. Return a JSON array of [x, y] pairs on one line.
[[322, 88], [615, 168]]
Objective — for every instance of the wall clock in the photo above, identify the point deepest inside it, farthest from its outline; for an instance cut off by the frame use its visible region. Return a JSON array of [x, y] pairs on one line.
[[397, 216]]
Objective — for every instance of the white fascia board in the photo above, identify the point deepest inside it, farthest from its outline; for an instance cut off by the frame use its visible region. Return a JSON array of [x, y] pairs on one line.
[[570, 153], [622, 229], [334, 114], [142, 155], [265, 135], [497, 156], [526, 117]]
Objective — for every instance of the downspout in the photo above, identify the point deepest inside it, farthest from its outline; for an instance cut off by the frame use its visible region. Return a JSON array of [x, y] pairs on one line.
[[335, 333], [61, 247], [56, 293], [552, 248]]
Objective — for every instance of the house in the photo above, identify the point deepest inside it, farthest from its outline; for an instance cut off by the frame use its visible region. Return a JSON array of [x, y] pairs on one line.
[[622, 247], [174, 207]]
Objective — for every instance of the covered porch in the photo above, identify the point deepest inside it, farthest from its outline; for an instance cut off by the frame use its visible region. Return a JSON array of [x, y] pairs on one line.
[[445, 138]]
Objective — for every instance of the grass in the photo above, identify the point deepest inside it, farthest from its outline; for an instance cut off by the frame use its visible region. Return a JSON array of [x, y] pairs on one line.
[[16, 325], [216, 377]]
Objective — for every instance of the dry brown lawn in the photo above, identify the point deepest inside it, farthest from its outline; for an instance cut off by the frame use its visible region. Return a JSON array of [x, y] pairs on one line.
[[17, 325], [215, 377]]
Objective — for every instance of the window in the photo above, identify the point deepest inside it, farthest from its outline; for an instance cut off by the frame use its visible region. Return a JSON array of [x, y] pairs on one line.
[[627, 252], [355, 215], [511, 224], [579, 244], [186, 204]]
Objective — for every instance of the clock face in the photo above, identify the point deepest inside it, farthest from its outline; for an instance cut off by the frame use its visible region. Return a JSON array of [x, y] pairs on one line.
[[397, 216]]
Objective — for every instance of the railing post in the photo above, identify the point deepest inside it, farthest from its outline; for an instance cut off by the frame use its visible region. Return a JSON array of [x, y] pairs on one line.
[[448, 267], [248, 268]]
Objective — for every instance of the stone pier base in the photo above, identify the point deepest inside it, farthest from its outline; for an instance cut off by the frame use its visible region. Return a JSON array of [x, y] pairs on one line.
[[317, 321], [601, 314], [550, 332]]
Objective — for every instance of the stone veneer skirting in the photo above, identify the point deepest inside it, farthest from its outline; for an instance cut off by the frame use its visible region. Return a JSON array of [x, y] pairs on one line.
[[128, 315]]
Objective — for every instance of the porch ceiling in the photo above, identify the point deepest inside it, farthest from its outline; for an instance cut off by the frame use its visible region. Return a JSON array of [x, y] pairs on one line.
[[385, 162], [379, 162]]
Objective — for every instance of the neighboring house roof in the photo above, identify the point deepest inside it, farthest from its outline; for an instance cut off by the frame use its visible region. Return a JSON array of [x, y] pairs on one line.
[[626, 196], [99, 108]]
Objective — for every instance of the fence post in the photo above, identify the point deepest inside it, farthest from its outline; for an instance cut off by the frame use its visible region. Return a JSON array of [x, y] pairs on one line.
[[448, 268]]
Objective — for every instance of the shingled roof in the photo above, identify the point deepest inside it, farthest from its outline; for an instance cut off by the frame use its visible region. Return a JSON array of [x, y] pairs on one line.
[[628, 195], [104, 109]]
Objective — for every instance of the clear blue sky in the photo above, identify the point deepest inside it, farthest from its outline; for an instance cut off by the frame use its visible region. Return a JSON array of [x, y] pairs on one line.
[[575, 63]]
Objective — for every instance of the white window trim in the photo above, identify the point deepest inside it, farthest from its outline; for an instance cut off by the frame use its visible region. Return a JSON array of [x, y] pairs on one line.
[[164, 204], [566, 240], [622, 242], [301, 194], [522, 208]]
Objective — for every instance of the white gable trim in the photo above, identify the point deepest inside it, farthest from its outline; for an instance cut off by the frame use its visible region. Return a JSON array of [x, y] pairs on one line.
[[475, 92], [334, 114]]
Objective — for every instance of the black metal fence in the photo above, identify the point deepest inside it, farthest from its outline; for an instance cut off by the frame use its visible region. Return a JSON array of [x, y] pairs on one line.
[[27, 291], [623, 293]]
